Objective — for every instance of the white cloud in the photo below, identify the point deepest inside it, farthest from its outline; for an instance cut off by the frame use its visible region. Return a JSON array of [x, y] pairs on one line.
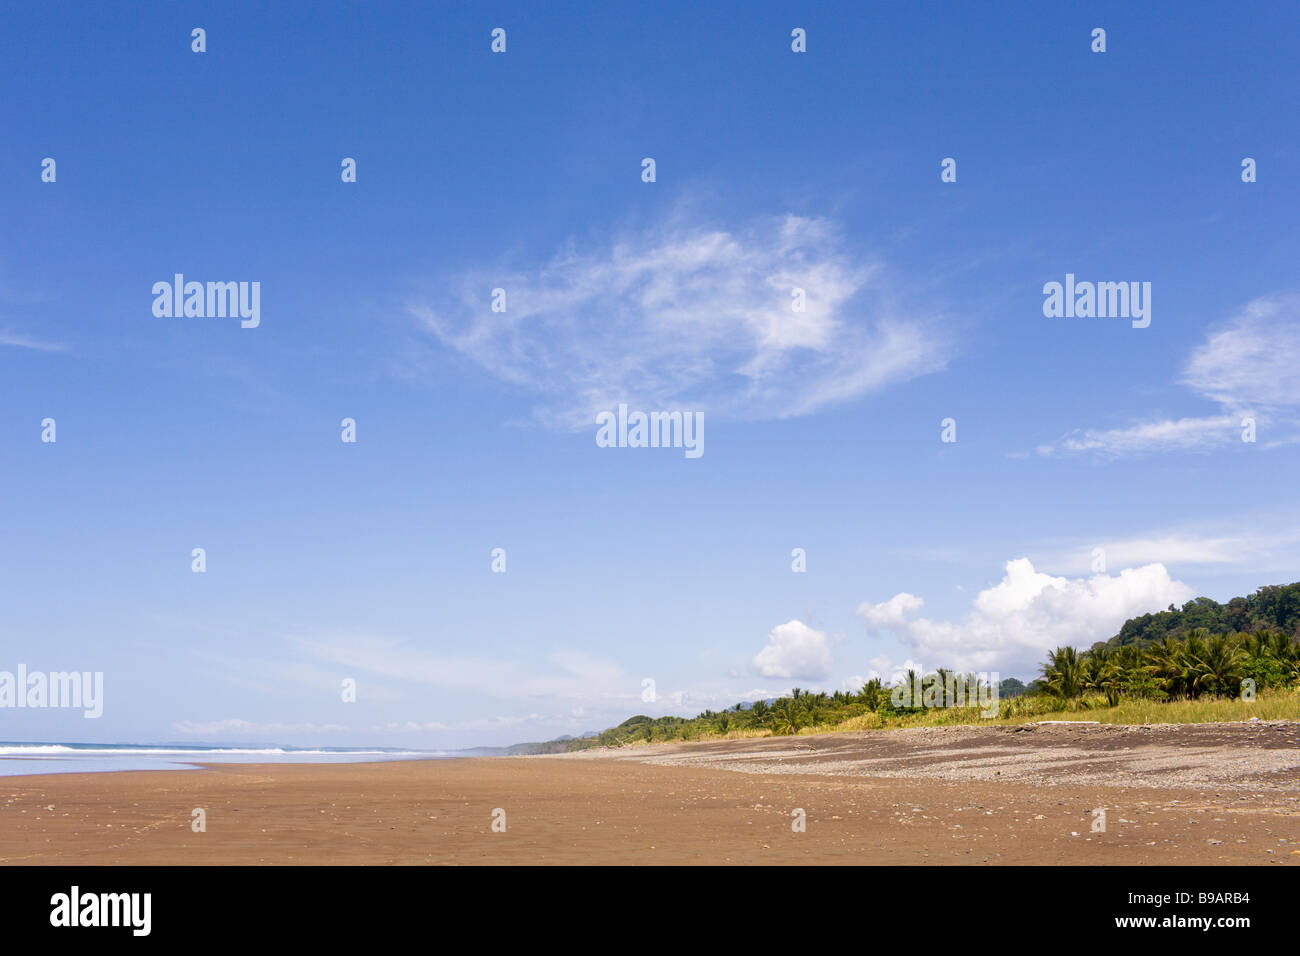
[[1011, 624], [1184, 434], [1255, 360], [690, 316], [1250, 367], [18, 340], [794, 650], [482, 723], [1251, 546], [890, 613]]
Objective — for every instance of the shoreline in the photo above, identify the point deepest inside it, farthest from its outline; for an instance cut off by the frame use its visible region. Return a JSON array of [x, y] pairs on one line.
[[203, 767], [182, 766]]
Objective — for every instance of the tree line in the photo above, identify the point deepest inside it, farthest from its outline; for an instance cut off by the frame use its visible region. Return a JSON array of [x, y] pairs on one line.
[[1204, 648]]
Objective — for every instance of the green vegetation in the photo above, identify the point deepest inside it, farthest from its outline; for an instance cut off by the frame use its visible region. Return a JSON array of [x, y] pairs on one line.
[[1177, 666], [1272, 608]]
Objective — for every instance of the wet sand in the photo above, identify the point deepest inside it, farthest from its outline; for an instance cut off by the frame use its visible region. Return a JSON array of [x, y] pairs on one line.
[[1206, 794]]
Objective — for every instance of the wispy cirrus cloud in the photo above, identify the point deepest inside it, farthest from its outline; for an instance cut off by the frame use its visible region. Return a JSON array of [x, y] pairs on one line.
[[1268, 541], [239, 726], [691, 315], [1255, 360], [1250, 368], [21, 341], [1182, 434], [564, 675]]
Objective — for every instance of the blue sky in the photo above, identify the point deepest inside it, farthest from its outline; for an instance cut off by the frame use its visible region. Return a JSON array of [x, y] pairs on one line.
[[522, 170]]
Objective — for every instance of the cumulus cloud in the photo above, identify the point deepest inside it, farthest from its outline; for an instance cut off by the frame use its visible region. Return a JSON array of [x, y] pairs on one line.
[[1011, 624], [890, 613], [690, 316], [794, 650], [1249, 367]]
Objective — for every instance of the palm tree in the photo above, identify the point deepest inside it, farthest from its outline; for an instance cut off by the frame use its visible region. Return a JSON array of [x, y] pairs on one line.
[[1130, 670], [1100, 670], [1216, 665], [972, 683], [1194, 649], [941, 682], [872, 693], [1282, 648], [912, 693], [785, 717], [1091, 664], [1130, 659], [1062, 674], [1165, 661]]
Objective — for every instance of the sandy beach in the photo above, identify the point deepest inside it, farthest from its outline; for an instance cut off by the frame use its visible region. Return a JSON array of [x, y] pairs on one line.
[[1206, 794]]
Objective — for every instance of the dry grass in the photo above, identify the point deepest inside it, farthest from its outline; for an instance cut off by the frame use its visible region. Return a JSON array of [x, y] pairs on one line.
[[1270, 705], [1275, 705]]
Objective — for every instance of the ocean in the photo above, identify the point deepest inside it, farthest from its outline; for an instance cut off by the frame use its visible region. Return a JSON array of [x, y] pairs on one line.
[[29, 758]]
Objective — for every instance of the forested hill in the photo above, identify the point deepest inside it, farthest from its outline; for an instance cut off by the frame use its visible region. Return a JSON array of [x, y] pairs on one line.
[[1275, 607]]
